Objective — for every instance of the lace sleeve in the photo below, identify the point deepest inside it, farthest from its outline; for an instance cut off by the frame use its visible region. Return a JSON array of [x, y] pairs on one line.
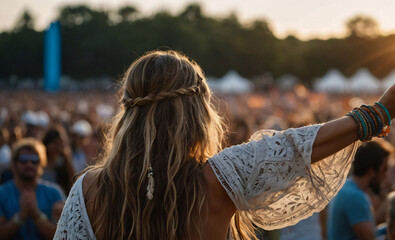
[[271, 180], [74, 222]]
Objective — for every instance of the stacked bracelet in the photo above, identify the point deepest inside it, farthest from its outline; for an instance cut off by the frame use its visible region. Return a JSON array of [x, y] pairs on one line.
[[386, 111], [371, 121]]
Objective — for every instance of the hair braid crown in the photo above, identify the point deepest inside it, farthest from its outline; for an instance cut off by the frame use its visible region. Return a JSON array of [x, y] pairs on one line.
[[141, 101]]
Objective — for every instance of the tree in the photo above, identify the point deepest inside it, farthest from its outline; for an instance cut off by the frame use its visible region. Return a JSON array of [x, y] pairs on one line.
[[128, 13], [25, 22], [95, 43], [72, 16], [262, 25], [192, 12], [362, 26]]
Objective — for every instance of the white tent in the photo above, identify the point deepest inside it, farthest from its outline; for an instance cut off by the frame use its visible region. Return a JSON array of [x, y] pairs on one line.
[[364, 82], [333, 81], [389, 80], [213, 83], [232, 82]]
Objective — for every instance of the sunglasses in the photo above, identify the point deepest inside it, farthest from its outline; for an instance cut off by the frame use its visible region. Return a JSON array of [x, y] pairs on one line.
[[33, 158]]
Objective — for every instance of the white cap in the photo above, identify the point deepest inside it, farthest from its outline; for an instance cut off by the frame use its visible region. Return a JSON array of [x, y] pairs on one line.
[[82, 128], [30, 117], [42, 119], [105, 111]]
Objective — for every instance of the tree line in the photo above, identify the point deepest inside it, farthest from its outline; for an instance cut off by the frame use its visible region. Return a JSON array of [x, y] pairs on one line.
[[97, 42]]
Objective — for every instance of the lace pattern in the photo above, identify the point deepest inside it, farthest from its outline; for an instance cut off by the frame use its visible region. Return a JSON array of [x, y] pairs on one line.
[[74, 222], [271, 181]]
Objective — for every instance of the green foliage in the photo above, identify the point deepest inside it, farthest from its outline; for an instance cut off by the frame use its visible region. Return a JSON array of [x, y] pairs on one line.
[[99, 42], [21, 54], [127, 14], [25, 22]]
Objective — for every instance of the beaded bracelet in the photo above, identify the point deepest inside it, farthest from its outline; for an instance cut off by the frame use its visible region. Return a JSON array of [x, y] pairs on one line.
[[370, 121], [377, 121], [371, 126], [386, 111], [359, 126], [367, 111], [364, 127], [386, 129], [380, 117]]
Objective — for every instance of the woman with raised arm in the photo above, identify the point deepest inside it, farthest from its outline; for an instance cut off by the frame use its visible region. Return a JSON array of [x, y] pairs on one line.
[[164, 175]]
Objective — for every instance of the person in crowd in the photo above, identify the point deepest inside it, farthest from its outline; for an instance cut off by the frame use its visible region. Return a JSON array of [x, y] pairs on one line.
[[81, 132], [390, 216], [14, 136], [27, 204], [350, 213], [59, 167], [307, 229], [164, 175], [35, 123], [5, 150], [379, 194]]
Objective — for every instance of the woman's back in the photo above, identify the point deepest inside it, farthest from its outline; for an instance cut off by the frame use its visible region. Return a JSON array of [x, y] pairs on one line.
[[219, 207]]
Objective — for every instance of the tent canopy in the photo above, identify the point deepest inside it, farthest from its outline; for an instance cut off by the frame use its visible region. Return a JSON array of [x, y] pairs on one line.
[[364, 82], [333, 81], [232, 82]]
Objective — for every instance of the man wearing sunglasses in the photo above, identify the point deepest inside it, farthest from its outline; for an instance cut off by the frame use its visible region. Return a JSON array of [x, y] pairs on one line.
[[29, 207]]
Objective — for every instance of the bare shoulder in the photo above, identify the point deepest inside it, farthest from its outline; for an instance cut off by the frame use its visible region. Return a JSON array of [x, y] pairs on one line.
[[88, 183], [211, 179], [89, 189], [219, 205], [217, 195]]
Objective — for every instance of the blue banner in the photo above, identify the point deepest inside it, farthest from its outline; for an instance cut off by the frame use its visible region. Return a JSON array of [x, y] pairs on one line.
[[52, 57]]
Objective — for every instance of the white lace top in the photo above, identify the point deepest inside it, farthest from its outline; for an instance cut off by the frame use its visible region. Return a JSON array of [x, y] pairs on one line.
[[269, 179], [74, 222]]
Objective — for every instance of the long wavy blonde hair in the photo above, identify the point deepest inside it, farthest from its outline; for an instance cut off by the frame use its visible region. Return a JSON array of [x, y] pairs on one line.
[[166, 122]]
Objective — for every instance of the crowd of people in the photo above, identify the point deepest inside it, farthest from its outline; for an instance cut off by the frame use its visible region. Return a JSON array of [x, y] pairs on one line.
[[50, 139]]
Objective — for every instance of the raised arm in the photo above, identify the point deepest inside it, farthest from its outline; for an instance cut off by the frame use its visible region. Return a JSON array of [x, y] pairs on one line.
[[340, 133]]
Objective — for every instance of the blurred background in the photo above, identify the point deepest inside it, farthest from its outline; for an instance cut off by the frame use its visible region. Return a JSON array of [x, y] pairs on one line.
[[99, 41], [271, 64], [286, 62]]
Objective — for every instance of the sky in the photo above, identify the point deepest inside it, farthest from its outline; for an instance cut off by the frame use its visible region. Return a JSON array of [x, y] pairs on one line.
[[304, 18]]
